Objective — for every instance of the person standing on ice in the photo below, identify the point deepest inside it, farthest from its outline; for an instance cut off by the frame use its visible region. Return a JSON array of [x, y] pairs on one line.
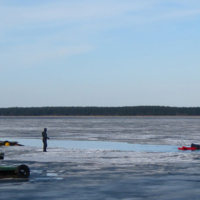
[[44, 139]]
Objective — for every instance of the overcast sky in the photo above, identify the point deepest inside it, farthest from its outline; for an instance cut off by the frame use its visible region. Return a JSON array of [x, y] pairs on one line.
[[99, 53]]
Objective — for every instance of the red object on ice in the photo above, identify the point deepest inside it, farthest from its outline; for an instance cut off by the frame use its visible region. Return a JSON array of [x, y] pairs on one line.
[[187, 148]]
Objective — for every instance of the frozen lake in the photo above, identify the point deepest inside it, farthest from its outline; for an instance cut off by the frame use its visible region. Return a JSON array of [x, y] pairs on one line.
[[103, 157]]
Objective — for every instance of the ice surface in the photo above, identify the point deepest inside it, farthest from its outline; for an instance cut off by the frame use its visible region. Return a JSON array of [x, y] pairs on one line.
[[103, 158], [138, 130]]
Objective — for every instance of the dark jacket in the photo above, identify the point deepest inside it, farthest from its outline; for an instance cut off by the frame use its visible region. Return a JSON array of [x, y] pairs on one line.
[[44, 136]]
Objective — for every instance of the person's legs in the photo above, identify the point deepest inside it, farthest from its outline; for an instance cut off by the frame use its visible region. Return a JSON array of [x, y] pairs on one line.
[[44, 146]]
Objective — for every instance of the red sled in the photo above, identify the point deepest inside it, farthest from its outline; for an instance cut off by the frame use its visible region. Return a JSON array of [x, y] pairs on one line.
[[187, 148]]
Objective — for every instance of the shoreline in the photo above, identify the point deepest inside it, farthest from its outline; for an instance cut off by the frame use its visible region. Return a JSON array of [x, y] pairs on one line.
[[66, 116]]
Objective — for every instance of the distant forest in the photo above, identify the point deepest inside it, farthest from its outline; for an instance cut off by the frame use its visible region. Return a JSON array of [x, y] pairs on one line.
[[101, 111]]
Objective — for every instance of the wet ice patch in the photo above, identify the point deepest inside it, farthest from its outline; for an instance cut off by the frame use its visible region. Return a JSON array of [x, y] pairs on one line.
[[120, 146]]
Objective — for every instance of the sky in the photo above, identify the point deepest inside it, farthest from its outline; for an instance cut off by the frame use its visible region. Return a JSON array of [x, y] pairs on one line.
[[99, 53]]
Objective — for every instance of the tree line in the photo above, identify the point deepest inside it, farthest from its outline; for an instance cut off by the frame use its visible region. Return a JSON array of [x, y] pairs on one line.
[[101, 111]]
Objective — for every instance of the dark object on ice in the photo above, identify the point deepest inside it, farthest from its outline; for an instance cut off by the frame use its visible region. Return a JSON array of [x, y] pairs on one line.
[[44, 139], [195, 145], [1, 156], [9, 143], [22, 171]]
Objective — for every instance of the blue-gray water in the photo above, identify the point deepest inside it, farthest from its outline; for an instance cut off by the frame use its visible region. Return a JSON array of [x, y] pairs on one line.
[[103, 158]]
